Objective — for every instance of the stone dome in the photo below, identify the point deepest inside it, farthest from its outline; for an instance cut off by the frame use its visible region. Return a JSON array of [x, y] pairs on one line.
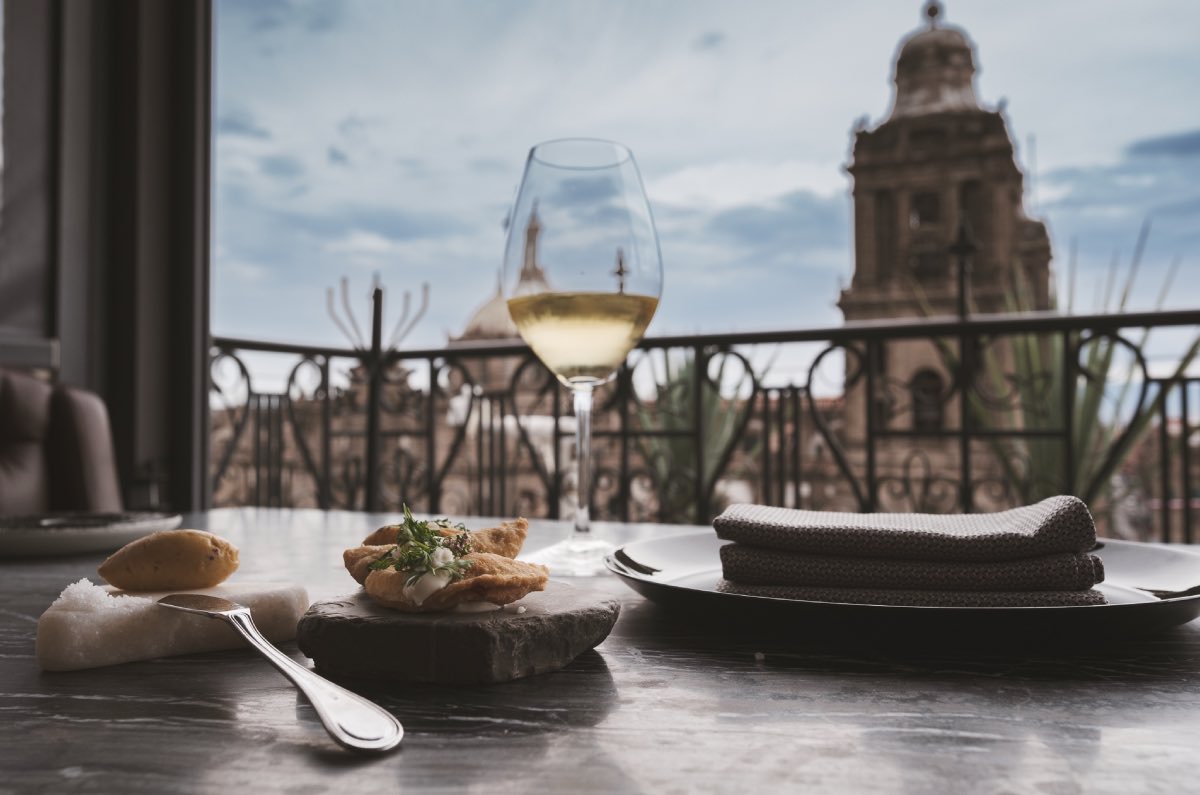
[[491, 321], [935, 70], [933, 41]]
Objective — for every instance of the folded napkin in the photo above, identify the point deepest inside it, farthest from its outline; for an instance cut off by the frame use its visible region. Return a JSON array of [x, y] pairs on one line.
[[914, 598], [1035, 556], [1054, 525], [747, 565]]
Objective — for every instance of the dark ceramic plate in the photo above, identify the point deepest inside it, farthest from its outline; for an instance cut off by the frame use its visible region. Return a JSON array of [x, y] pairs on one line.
[[76, 533], [681, 572]]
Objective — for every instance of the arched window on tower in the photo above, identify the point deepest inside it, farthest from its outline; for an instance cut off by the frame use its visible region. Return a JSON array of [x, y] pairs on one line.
[[926, 210], [926, 393]]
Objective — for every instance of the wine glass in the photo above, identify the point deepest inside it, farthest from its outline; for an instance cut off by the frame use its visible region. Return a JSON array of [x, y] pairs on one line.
[[582, 275]]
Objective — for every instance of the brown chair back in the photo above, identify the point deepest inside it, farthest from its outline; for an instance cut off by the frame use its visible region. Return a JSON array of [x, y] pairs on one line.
[[56, 449]]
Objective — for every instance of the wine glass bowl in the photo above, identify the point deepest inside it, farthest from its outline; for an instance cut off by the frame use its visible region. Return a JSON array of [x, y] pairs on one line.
[[582, 278]]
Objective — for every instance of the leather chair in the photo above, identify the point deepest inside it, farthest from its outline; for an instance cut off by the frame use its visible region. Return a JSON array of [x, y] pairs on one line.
[[56, 449]]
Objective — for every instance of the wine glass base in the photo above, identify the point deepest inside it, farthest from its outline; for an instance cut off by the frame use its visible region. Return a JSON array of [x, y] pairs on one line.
[[574, 557]]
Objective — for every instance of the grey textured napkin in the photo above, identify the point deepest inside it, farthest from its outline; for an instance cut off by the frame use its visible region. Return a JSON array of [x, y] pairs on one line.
[[1054, 525], [757, 566], [915, 598]]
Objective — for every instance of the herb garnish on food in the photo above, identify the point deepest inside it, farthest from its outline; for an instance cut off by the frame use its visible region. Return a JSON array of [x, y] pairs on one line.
[[416, 543]]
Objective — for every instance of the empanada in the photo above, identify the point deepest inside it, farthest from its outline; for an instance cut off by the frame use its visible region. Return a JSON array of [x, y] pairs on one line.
[[488, 572], [358, 560], [490, 578], [505, 540]]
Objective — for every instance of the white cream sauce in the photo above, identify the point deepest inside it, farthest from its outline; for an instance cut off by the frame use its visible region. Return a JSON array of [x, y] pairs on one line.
[[429, 584]]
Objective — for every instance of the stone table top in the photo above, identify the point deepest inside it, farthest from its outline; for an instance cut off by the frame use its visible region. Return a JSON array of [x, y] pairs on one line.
[[668, 703]]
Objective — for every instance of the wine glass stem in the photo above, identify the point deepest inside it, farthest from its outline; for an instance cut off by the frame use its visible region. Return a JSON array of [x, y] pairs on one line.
[[583, 456]]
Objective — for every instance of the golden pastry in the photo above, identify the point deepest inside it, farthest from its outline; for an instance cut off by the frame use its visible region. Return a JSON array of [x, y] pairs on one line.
[[171, 560], [506, 540], [424, 566], [358, 560], [490, 578]]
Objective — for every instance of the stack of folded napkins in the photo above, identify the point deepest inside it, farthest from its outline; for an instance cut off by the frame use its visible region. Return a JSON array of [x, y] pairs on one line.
[[1035, 556]]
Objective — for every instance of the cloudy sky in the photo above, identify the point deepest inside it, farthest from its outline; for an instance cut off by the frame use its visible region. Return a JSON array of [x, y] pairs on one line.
[[388, 136]]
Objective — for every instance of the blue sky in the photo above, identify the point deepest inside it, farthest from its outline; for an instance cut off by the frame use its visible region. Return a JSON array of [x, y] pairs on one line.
[[389, 136]]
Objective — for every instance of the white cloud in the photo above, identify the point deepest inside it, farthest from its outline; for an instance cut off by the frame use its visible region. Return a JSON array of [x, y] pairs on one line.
[[360, 243], [244, 273], [731, 183]]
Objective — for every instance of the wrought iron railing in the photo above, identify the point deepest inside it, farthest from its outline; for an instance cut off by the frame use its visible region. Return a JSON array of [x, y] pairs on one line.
[[692, 422]]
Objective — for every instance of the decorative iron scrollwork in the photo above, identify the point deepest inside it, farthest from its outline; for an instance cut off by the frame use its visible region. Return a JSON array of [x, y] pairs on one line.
[[918, 487], [856, 359]]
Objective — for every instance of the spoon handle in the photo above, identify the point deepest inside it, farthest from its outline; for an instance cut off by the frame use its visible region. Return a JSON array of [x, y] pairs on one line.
[[349, 718]]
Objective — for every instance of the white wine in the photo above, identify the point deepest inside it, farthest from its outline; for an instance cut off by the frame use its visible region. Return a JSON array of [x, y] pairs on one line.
[[582, 337]]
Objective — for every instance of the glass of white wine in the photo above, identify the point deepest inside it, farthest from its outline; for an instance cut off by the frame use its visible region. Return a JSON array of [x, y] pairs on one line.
[[582, 275]]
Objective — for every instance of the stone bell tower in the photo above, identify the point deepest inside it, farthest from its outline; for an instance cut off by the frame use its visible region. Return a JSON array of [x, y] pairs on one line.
[[939, 157]]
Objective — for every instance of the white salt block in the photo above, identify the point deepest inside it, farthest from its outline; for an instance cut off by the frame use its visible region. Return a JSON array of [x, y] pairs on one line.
[[89, 626]]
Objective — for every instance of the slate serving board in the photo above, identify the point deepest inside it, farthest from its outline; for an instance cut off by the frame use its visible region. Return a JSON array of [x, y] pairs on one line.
[[352, 636]]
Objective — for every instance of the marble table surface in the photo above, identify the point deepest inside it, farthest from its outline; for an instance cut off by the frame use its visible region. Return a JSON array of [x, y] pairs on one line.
[[669, 703]]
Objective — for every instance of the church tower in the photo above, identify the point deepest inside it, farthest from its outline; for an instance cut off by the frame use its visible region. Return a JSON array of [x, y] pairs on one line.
[[938, 158], [491, 321]]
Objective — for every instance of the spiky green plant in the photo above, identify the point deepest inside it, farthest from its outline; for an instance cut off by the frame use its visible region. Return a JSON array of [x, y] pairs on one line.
[[671, 457], [1102, 436]]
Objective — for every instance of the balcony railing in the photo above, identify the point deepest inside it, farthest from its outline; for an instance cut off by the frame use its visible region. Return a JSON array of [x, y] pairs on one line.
[[939, 415]]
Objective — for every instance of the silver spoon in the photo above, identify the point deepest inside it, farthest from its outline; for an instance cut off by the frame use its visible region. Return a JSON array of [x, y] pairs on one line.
[[1195, 589], [349, 718]]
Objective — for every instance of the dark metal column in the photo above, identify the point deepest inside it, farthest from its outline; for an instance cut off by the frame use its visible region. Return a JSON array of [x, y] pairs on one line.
[[374, 362], [700, 362], [963, 249]]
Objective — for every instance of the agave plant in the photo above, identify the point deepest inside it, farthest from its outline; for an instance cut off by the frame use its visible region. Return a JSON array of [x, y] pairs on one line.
[[1112, 404], [671, 456]]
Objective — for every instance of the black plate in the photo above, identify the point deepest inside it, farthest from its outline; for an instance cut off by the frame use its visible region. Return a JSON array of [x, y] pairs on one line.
[[681, 572]]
